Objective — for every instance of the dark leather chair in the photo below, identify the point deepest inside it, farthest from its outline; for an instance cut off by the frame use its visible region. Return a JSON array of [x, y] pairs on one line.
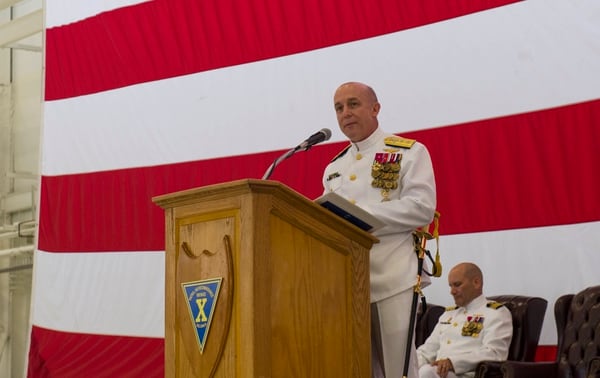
[[578, 329], [527, 317], [594, 370]]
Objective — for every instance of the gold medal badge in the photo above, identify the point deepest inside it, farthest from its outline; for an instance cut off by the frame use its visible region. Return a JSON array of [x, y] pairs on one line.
[[385, 171]]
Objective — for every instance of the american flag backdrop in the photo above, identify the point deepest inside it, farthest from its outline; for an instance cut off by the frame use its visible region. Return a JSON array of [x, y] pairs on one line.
[[147, 98]]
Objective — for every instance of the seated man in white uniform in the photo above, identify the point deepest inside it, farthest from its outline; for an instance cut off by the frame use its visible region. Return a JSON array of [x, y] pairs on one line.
[[472, 331]]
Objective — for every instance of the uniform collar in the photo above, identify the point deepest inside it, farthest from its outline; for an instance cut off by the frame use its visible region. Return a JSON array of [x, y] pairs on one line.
[[476, 303], [371, 141]]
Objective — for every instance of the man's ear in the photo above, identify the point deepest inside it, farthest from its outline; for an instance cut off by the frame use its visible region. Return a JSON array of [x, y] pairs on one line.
[[376, 108]]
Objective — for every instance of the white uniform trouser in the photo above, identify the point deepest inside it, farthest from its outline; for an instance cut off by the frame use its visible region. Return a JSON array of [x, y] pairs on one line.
[[428, 371], [394, 321]]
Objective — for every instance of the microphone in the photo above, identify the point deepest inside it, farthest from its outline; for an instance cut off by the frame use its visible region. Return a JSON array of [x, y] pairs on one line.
[[318, 137]]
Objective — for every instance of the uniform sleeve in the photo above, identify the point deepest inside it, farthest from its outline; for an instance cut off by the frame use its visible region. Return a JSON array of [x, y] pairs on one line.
[[415, 205], [495, 343], [427, 352]]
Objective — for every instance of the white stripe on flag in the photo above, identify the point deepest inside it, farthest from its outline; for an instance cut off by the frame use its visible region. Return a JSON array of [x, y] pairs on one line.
[[103, 299], [64, 12], [94, 293]]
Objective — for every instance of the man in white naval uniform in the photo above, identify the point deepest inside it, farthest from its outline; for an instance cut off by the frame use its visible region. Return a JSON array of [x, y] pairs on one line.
[[472, 331], [391, 178]]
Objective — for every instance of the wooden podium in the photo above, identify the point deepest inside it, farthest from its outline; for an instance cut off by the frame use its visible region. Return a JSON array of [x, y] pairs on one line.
[[293, 292]]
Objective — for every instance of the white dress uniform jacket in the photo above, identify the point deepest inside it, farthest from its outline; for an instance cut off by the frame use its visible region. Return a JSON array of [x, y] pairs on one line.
[[467, 335], [393, 262]]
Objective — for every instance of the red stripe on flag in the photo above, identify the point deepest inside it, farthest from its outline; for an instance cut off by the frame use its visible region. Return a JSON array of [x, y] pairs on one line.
[[138, 43], [529, 170], [113, 210], [63, 354], [491, 175]]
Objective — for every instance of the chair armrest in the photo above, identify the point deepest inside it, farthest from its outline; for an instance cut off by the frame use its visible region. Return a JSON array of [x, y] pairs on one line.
[[515, 369], [594, 368], [489, 369]]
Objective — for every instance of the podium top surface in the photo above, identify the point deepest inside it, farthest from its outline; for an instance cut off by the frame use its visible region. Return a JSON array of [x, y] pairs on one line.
[[225, 189], [254, 186]]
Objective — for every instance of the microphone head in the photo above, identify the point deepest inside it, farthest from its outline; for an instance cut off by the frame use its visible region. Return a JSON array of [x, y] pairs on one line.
[[318, 137], [326, 132]]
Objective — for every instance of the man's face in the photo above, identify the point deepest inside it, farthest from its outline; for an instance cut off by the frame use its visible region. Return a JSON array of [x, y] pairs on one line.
[[356, 110], [463, 288]]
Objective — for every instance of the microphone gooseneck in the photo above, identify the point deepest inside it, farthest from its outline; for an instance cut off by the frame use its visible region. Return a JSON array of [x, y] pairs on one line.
[[318, 137]]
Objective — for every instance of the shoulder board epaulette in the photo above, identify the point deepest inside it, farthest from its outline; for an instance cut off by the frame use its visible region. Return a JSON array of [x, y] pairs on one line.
[[396, 141], [341, 153], [494, 305], [451, 308]]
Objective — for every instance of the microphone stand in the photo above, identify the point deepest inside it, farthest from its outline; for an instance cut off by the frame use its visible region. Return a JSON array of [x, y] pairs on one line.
[[318, 137], [289, 153]]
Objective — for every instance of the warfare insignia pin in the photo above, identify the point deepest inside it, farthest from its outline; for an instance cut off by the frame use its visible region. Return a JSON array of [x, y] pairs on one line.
[[201, 298], [333, 176]]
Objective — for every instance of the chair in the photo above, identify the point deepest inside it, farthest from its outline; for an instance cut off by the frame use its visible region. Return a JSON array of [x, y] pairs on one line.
[[594, 370], [578, 329], [527, 317]]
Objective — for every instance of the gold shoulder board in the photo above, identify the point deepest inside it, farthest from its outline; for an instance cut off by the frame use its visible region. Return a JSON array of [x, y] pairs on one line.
[[339, 155], [451, 308], [494, 305], [396, 141]]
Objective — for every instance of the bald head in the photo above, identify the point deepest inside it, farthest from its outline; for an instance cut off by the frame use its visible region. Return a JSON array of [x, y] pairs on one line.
[[469, 270], [466, 283], [368, 92], [356, 108]]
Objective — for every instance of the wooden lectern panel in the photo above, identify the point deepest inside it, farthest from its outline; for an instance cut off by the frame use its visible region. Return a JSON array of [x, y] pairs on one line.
[[205, 253], [294, 294], [311, 306]]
